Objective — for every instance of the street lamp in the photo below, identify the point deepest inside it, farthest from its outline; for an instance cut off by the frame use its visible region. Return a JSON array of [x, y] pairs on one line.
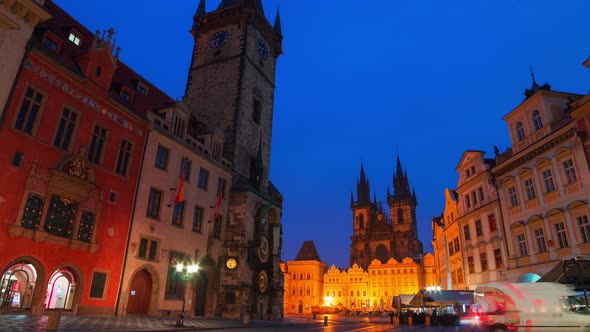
[[186, 273]]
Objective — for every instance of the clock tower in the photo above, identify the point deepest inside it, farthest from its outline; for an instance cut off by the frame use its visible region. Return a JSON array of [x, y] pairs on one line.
[[230, 90]]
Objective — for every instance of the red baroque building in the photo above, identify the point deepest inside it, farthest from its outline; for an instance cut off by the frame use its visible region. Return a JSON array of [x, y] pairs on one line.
[[72, 138]]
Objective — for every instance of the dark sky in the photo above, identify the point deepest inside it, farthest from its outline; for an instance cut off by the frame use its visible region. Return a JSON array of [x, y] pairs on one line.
[[368, 80]]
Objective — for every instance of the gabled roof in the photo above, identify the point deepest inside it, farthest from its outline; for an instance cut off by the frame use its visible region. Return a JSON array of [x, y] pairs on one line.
[[308, 252], [60, 26]]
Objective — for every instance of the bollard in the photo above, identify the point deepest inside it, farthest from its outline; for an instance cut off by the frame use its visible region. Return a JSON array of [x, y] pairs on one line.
[[53, 319], [180, 319], [326, 320]]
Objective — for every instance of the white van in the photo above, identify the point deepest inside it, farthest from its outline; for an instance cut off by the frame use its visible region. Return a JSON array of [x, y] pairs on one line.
[[542, 306]]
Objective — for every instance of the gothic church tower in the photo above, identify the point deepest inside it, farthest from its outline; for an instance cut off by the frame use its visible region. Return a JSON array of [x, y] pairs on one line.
[[230, 90]]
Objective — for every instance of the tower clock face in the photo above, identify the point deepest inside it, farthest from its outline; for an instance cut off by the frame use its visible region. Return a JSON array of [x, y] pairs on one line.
[[263, 249], [218, 39], [231, 263], [262, 49], [262, 282]]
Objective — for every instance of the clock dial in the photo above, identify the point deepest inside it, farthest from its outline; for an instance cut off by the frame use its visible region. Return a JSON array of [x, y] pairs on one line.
[[262, 281], [219, 39], [262, 49], [231, 263], [263, 249]]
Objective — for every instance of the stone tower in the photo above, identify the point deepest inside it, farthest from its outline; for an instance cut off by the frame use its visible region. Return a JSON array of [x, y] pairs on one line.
[[230, 90], [375, 235]]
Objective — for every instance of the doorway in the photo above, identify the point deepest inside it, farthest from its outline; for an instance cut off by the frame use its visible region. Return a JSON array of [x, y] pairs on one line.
[[201, 294], [140, 293], [61, 290], [18, 286]]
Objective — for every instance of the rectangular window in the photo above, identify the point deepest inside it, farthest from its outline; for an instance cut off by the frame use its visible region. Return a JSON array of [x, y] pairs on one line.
[[478, 228], [522, 248], [460, 276], [217, 227], [467, 201], [474, 198], [97, 143], [178, 215], [561, 236], [480, 192], [548, 181], [540, 239], [584, 228], [98, 285], [29, 110], [148, 249], [451, 249], [513, 197], [32, 213], [198, 219], [74, 39], [457, 246], [483, 258], [142, 88], [65, 129], [161, 158], [470, 265], [529, 189], [203, 178], [86, 228], [492, 222], [126, 95], [153, 209], [466, 233], [50, 43], [498, 258], [570, 171], [124, 157], [60, 216]]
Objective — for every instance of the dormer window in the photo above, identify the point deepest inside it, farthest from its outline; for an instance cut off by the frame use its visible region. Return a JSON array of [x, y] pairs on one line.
[[126, 94], [75, 38], [142, 88], [51, 43]]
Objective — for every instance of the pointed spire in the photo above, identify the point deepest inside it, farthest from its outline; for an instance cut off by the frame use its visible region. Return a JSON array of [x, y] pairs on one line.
[[201, 9], [535, 87], [363, 190], [401, 185], [351, 199], [277, 25]]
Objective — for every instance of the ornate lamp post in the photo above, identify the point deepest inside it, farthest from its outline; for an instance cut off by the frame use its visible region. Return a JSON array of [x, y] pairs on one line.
[[186, 272]]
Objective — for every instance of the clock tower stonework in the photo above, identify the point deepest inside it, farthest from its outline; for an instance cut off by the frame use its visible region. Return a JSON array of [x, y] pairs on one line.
[[230, 90]]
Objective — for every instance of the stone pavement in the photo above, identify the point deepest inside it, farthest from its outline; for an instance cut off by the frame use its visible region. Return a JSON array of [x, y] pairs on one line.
[[28, 323]]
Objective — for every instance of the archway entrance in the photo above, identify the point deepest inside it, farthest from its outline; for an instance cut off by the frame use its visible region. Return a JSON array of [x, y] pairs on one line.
[[300, 307], [18, 286], [61, 290], [140, 293]]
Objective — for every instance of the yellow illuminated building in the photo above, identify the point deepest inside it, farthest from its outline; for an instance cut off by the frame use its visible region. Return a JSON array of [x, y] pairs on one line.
[[304, 281]]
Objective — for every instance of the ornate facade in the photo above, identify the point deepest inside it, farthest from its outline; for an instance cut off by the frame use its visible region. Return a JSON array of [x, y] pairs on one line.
[[375, 236]]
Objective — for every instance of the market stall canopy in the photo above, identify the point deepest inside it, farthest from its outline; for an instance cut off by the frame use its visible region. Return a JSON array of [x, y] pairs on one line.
[[440, 298]]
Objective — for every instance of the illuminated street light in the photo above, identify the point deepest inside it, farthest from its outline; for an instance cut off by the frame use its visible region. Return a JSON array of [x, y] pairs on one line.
[[327, 301], [186, 272]]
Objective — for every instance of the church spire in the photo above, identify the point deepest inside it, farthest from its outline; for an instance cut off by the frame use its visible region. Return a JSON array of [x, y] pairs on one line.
[[201, 9], [363, 190], [277, 25], [401, 185]]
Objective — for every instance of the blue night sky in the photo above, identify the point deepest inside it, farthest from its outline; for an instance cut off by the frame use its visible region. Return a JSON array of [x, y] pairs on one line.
[[427, 79]]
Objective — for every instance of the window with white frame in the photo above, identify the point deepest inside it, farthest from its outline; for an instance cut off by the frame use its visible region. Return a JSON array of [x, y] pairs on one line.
[[584, 228], [75, 39], [529, 189], [548, 180], [537, 120], [519, 131], [512, 196], [522, 248], [540, 239], [560, 234], [570, 171]]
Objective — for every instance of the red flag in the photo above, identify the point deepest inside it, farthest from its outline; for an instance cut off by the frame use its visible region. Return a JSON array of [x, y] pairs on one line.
[[180, 186], [220, 187]]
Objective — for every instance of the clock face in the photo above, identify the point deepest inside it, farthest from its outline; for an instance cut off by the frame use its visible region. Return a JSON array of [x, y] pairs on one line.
[[263, 249], [262, 282], [262, 49], [231, 263], [219, 39]]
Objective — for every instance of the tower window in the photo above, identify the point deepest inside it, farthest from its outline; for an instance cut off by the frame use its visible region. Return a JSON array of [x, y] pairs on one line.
[[519, 131], [75, 39], [256, 110]]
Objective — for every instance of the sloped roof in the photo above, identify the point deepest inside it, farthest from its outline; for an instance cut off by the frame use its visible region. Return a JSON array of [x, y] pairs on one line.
[[60, 26], [308, 252]]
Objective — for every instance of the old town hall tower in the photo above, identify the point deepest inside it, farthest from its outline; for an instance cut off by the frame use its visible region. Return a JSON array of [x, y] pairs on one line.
[[230, 92], [375, 235]]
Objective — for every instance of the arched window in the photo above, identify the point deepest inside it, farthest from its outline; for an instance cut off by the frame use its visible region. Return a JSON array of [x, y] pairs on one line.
[[361, 221], [537, 120], [294, 276], [301, 291], [301, 276], [308, 276], [519, 131], [308, 291], [294, 292], [400, 216]]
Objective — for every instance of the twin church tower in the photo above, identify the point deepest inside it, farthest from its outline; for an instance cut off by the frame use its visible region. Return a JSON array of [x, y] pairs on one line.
[[377, 236]]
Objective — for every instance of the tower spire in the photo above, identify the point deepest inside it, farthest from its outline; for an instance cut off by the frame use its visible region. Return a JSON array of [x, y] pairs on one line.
[[277, 25], [201, 9], [363, 190]]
